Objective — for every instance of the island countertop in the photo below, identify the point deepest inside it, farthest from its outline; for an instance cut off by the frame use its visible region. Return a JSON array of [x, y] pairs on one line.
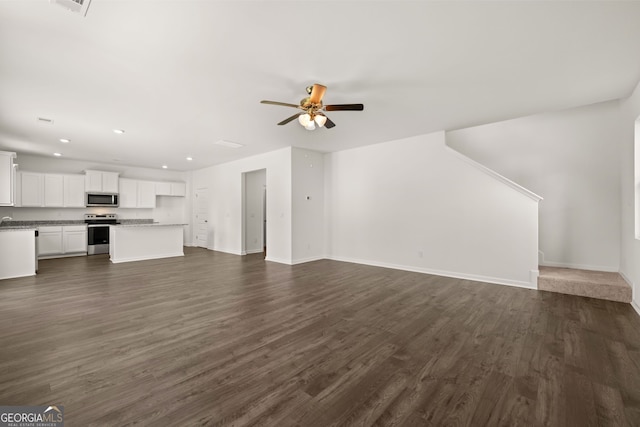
[[153, 224]]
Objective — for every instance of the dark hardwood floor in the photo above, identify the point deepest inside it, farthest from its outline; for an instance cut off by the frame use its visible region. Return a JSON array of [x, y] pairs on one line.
[[218, 339]]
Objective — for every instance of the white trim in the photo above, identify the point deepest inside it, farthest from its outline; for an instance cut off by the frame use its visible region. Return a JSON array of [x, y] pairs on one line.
[[279, 261], [634, 303], [310, 259], [579, 266], [253, 251], [455, 275], [159, 256], [636, 307], [21, 275], [533, 278], [495, 175], [227, 251]]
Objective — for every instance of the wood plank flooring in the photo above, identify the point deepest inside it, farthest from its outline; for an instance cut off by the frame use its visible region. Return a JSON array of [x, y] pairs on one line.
[[218, 339]]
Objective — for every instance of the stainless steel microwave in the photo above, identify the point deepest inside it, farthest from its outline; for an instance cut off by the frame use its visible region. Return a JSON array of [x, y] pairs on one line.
[[102, 199]]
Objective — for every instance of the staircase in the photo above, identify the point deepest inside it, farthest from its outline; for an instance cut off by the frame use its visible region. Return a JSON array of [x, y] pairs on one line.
[[586, 283]]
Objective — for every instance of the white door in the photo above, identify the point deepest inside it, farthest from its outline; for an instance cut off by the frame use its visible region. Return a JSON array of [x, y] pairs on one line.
[[202, 218]]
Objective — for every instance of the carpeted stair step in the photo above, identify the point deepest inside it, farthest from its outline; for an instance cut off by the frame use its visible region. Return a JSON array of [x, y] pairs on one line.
[[586, 283]]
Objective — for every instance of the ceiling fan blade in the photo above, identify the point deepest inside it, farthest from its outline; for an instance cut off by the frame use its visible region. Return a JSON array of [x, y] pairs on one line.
[[317, 93], [285, 121], [283, 104], [344, 107], [329, 124]]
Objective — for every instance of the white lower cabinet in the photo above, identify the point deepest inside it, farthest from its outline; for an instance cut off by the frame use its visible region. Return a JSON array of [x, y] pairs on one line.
[[56, 241], [74, 239], [49, 241]]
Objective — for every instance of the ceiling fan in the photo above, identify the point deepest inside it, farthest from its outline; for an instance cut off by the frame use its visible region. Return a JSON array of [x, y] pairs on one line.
[[313, 110]]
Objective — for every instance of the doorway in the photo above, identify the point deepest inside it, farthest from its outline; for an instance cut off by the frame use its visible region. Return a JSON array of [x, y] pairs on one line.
[[202, 218], [255, 220]]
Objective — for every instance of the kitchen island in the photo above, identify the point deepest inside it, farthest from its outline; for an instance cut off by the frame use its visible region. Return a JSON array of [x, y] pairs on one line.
[[137, 242], [17, 252]]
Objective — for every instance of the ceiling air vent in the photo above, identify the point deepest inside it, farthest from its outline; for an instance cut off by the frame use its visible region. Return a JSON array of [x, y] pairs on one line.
[[75, 6]]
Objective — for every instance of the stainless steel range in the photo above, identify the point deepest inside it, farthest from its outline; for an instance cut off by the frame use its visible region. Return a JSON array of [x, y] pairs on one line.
[[98, 232]]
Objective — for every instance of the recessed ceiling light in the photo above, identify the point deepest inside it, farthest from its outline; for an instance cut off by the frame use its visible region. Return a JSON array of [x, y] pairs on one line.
[[118, 131], [189, 158], [57, 154], [164, 166], [228, 144], [65, 140]]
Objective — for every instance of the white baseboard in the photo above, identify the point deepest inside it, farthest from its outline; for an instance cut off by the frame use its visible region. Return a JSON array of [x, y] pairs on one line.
[[227, 251], [309, 259], [579, 266], [455, 275], [254, 251], [279, 261], [119, 260]]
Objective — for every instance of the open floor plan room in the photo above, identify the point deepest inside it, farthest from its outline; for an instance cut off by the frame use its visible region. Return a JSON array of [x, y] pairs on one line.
[[218, 339]]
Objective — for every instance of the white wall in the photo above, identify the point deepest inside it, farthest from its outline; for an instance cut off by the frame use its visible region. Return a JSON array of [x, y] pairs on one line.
[[572, 159], [225, 203], [307, 192], [168, 209], [630, 252], [413, 204], [255, 184]]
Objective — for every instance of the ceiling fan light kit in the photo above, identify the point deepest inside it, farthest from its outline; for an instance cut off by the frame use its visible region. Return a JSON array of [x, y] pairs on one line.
[[313, 109]]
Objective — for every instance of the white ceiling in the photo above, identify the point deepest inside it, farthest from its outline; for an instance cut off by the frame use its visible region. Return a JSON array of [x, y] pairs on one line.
[[179, 75]]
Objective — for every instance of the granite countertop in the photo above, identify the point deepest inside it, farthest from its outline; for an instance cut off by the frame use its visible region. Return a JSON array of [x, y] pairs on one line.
[[18, 228], [33, 224], [152, 224]]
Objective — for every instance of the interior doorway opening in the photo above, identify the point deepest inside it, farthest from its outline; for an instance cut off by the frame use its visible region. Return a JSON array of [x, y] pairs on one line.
[[254, 212]]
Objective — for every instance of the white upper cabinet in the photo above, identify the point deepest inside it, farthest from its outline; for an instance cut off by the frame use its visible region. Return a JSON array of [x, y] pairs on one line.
[[137, 194], [74, 191], [146, 194], [54, 191], [128, 193], [31, 189], [178, 189], [50, 190], [163, 188], [7, 179], [101, 182], [171, 189]]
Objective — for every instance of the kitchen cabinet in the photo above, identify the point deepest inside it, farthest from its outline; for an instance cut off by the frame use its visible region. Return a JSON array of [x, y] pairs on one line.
[[74, 191], [137, 194], [49, 241], [101, 182], [128, 193], [53, 191], [50, 190], [146, 194], [17, 253], [171, 189], [31, 189], [7, 178], [74, 239], [55, 241]]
